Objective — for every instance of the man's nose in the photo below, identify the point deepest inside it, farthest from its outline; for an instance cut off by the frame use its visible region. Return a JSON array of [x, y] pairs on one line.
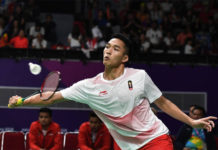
[[108, 51]]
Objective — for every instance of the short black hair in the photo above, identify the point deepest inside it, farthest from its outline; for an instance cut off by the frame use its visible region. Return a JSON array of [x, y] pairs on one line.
[[201, 109], [46, 110], [93, 115], [125, 39]]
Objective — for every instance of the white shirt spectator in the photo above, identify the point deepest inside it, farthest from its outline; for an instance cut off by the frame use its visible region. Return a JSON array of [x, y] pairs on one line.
[[154, 36], [145, 46], [96, 32], [33, 32], [168, 41], [39, 44], [188, 49], [73, 41]]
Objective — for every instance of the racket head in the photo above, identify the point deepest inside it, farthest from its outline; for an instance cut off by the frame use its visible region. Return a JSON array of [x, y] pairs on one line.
[[50, 85]]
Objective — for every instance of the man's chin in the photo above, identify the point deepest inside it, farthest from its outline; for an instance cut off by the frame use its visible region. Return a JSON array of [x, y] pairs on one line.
[[105, 63]]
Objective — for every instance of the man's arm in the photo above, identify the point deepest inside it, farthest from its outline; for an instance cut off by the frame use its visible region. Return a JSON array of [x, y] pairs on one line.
[[83, 138], [33, 139], [171, 109], [35, 100]]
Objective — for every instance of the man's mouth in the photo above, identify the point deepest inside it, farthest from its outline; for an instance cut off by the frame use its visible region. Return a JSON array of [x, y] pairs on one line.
[[106, 58]]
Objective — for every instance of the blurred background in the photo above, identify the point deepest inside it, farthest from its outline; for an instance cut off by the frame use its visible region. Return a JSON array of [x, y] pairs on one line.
[[175, 41]]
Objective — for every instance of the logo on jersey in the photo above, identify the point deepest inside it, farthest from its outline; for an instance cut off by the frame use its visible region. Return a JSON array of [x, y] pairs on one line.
[[102, 93], [130, 85]]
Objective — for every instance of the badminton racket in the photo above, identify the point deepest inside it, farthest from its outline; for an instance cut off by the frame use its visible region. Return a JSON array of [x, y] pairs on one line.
[[48, 87]]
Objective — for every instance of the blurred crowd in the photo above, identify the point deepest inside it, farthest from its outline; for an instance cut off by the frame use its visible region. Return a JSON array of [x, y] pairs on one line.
[[185, 26]]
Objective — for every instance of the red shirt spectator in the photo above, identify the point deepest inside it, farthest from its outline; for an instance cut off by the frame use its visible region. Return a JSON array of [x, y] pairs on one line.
[[44, 133], [19, 41], [94, 135], [181, 37]]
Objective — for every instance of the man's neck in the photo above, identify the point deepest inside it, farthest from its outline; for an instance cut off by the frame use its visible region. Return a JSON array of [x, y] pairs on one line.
[[113, 73], [44, 127]]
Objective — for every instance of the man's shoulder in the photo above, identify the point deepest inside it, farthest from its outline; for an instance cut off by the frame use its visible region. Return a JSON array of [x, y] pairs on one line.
[[94, 79], [55, 124], [85, 124], [35, 124], [134, 71]]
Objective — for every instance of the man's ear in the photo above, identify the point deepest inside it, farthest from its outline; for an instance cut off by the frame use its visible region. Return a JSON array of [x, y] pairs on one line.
[[125, 58]]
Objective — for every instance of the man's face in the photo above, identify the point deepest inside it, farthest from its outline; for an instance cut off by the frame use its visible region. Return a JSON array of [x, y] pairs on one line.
[[95, 124], [44, 119], [114, 53], [21, 33], [197, 114]]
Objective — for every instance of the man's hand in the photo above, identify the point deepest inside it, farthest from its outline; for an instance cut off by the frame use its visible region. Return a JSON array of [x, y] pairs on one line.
[[205, 123], [13, 101]]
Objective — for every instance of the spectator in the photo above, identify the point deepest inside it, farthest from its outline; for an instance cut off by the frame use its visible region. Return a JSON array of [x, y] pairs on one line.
[[31, 11], [45, 134], [35, 29], [101, 20], [94, 135], [156, 13], [168, 41], [203, 41], [50, 29], [189, 49], [154, 34], [73, 38], [19, 41], [97, 34], [189, 138], [4, 40], [183, 36], [143, 15], [18, 11], [14, 29], [145, 44], [39, 42]]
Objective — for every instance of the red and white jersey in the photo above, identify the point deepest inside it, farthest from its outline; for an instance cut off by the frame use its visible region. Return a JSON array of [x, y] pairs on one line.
[[123, 105]]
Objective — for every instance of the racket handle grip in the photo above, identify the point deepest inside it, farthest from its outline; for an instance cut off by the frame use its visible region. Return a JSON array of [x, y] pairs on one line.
[[18, 103]]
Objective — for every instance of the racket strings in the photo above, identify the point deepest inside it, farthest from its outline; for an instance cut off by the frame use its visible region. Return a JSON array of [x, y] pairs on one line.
[[50, 85]]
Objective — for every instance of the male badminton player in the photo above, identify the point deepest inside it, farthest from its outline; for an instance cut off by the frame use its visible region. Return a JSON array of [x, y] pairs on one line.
[[121, 98]]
